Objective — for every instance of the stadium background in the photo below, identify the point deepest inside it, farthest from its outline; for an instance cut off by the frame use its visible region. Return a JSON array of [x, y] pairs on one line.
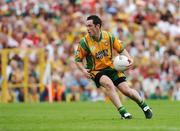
[[38, 38]]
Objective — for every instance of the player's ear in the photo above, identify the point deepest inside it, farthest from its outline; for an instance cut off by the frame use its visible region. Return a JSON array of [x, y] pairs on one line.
[[98, 26]]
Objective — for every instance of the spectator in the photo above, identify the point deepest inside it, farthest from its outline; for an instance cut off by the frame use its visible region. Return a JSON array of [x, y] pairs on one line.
[[158, 94], [151, 30]]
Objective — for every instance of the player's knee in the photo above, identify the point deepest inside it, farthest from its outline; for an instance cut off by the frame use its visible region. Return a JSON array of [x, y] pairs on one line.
[[106, 83], [108, 86]]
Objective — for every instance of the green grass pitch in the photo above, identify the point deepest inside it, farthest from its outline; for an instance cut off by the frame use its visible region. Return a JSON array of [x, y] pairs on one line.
[[87, 116]]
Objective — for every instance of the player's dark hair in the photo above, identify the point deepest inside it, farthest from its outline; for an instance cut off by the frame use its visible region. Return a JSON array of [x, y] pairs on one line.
[[96, 19]]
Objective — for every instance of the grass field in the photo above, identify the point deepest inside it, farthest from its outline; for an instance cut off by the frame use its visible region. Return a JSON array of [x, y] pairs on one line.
[[87, 116]]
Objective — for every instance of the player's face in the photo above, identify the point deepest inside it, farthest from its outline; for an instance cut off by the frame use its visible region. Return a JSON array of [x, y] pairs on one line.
[[91, 28]]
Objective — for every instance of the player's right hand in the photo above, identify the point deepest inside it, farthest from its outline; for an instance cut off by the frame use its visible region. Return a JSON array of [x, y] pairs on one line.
[[86, 73]]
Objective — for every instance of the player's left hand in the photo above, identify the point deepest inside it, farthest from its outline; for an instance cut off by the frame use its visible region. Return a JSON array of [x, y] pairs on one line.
[[131, 63]]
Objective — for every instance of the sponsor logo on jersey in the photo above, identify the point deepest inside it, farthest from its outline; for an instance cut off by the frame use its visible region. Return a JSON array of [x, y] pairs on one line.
[[101, 54]]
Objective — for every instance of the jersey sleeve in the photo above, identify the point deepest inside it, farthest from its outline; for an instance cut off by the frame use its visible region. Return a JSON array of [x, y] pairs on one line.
[[81, 51], [118, 45]]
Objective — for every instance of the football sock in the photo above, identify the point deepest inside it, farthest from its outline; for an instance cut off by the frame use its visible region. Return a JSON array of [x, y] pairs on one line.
[[142, 104], [122, 110]]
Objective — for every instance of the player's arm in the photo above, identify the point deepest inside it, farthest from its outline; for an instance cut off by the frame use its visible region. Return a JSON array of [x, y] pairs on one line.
[[117, 45], [131, 61], [120, 46], [84, 70], [80, 53]]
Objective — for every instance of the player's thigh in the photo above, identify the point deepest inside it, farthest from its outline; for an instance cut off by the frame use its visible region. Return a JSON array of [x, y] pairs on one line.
[[106, 82], [124, 87]]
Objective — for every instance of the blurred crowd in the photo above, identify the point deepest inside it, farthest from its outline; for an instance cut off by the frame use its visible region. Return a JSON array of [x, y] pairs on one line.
[[150, 28]]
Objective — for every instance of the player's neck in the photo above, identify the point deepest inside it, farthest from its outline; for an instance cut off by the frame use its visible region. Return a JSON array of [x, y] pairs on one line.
[[97, 37]]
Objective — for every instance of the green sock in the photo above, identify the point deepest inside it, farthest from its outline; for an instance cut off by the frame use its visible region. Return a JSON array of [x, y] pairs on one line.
[[122, 110], [142, 104]]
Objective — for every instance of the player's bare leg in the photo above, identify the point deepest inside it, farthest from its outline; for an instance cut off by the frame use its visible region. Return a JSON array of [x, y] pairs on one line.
[[134, 95], [107, 83]]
